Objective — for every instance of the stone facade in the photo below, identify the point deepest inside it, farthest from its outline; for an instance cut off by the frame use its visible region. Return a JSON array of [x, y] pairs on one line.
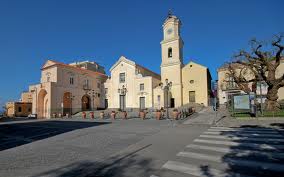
[[26, 97], [71, 88], [67, 89], [18, 109]]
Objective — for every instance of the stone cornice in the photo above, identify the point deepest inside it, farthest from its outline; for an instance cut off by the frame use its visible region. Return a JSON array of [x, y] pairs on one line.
[[171, 64]]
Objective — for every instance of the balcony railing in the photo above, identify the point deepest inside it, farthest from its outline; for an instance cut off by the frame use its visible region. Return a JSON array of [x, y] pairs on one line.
[[86, 87], [229, 86]]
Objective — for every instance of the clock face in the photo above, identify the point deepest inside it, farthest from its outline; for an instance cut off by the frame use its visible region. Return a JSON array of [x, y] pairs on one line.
[[170, 30]]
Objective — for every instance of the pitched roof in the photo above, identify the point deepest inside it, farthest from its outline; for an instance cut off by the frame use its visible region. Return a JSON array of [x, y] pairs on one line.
[[124, 59], [51, 63]]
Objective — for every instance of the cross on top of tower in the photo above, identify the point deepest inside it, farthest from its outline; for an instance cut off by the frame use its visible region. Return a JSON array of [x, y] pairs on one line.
[[170, 13]]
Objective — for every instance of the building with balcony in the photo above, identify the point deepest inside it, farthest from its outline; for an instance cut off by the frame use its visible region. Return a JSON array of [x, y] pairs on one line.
[[68, 88], [227, 87]]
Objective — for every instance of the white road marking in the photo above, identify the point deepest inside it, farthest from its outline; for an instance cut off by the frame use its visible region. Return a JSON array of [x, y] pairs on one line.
[[230, 143], [238, 162], [240, 129], [196, 170], [245, 131], [246, 134], [238, 152], [260, 139]]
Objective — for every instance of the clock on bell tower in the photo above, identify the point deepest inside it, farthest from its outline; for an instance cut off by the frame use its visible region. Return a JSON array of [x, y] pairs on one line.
[[172, 56]]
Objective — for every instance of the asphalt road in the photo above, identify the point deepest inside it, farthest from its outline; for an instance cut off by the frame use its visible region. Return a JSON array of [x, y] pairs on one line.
[[150, 148], [48, 148]]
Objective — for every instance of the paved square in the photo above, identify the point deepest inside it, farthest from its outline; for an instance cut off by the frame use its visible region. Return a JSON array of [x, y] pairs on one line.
[[30, 148]]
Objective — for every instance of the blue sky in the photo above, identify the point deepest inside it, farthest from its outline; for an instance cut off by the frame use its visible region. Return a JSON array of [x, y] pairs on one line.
[[68, 30]]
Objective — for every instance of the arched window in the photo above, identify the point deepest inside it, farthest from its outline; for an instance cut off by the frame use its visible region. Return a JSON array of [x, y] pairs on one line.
[[170, 52]]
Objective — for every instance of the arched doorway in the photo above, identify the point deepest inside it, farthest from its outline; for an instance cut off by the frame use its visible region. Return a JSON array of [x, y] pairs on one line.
[[86, 103], [67, 104], [42, 104]]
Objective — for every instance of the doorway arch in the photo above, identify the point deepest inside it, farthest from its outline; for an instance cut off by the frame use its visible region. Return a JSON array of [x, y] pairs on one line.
[[67, 103], [86, 103], [42, 104]]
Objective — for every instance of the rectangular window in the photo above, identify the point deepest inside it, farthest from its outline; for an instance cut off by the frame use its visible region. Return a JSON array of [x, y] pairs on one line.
[[121, 77], [192, 96], [19, 109], [141, 87], [71, 80], [159, 98], [86, 82], [106, 90], [98, 85]]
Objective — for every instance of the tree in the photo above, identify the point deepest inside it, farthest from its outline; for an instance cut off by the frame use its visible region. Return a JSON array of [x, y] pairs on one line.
[[259, 64]]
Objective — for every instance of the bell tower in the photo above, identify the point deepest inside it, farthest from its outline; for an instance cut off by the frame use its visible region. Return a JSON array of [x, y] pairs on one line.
[[172, 57]]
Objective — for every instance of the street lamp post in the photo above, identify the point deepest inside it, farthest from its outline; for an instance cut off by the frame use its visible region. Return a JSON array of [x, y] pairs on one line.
[[260, 89], [94, 95], [71, 97], [166, 88], [122, 91]]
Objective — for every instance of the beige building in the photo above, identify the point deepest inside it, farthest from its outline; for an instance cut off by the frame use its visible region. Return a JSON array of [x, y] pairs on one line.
[[26, 97], [227, 87], [191, 82], [133, 86], [68, 88], [18, 109], [130, 85]]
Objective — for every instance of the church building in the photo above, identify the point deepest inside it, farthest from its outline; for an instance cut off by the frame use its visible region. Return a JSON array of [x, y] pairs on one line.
[[133, 86]]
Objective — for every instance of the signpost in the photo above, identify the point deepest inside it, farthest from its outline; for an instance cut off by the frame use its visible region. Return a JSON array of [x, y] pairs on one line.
[[242, 103]]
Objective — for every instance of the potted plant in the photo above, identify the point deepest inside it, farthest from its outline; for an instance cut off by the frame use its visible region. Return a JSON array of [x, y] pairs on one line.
[[102, 114], [59, 115], [112, 115], [175, 114], [92, 115], [83, 115], [142, 114], [67, 115], [124, 114], [158, 114]]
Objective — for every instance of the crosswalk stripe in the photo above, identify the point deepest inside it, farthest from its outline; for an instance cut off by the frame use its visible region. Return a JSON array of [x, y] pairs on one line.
[[245, 131], [239, 162], [238, 152], [195, 170], [230, 143], [260, 139], [228, 128], [200, 156], [246, 134]]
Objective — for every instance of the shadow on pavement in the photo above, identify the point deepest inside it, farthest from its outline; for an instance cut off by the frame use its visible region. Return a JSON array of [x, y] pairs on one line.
[[17, 134], [117, 166], [255, 154]]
